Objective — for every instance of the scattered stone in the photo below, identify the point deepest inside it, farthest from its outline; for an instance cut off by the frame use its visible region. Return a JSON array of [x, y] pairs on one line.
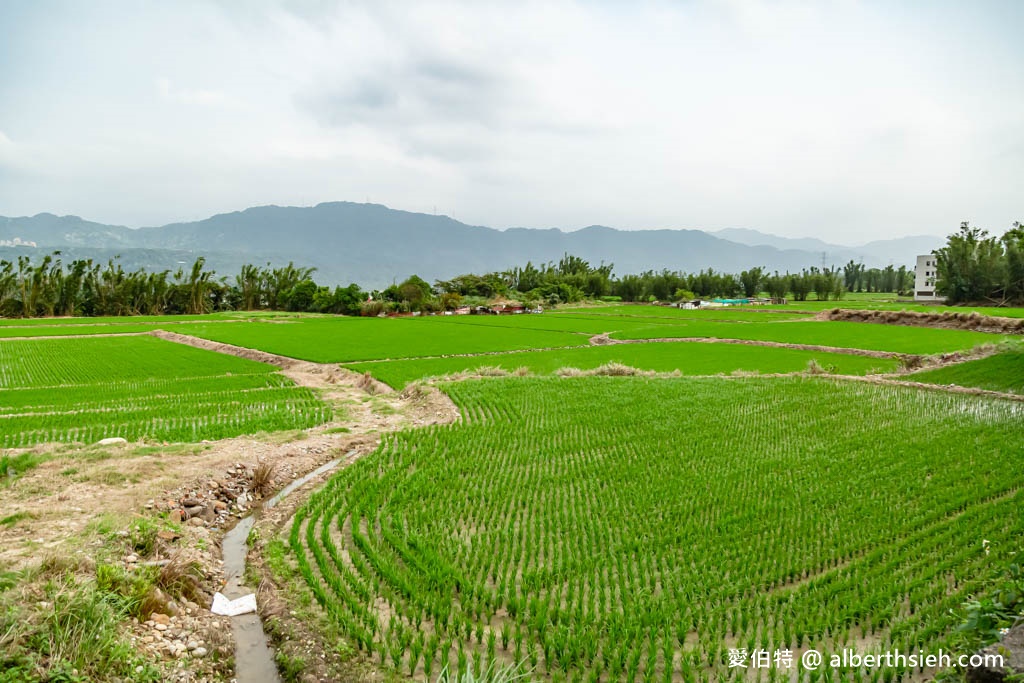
[[1011, 649], [112, 441], [196, 521], [158, 618], [175, 516]]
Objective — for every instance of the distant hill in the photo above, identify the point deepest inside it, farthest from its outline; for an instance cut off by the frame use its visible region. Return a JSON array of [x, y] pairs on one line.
[[373, 245], [880, 253]]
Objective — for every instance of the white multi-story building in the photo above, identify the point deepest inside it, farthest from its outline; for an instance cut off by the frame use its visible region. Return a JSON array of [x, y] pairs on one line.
[[924, 278]]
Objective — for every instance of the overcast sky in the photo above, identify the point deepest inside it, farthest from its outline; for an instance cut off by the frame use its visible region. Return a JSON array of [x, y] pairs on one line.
[[844, 120]]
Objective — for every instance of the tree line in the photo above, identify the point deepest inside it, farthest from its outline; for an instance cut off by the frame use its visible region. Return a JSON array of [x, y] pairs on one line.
[[975, 267], [857, 278], [84, 288]]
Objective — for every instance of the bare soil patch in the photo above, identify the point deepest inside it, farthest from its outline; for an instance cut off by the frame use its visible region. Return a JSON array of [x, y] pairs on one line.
[[945, 319], [85, 501]]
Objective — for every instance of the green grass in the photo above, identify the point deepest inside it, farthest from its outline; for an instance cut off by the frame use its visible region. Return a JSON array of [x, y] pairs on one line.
[[327, 340], [1002, 372], [689, 358], [873, 337], [83, 390], [74, 634], [616, 526], [13, 465]]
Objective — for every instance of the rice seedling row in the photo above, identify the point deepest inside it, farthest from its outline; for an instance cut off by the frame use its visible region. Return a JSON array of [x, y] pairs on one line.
[[59, 362], [688, 358], [637, 529], [75, 390], [1001, 372], [330, 340]]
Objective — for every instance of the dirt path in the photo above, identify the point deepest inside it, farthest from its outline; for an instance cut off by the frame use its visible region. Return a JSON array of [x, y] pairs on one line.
[[910, 362], [954, 320], [83, 502], [76, 485], [605, 340]]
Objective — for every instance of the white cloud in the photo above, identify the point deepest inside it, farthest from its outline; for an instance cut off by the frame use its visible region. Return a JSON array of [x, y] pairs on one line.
[[837, 119], [204, 98]]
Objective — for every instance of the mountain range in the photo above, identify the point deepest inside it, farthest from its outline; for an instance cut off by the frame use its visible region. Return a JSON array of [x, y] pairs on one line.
[[374, 246]]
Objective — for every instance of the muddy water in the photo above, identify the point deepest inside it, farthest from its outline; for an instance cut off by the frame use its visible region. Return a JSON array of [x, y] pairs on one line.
[[254, 661]]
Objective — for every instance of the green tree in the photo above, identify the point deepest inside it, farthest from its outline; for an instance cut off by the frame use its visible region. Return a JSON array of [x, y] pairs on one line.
[[971, 267], [751, 281]]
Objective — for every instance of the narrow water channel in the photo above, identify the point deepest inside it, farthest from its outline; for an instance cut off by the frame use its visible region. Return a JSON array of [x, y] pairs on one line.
[[254, 660]]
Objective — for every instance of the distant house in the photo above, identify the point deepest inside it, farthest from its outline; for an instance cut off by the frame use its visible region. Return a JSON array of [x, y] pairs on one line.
[[924, 278], [503, 309]]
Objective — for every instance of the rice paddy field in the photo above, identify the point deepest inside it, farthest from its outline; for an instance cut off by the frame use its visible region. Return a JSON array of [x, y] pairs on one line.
[[629, 529], [1001, 372], [84, 390], [335, 340], [688, 358], [594, 528]]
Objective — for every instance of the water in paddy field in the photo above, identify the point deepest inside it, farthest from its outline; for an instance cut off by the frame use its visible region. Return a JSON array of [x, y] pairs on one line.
[[254, 661]]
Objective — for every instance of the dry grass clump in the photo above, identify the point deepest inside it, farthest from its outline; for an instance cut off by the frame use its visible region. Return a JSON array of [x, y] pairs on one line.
[[614, 369], [911, 362], [370, 385], [263, 477], [182, 577], [414, 391], [611, 369], [491, 371]]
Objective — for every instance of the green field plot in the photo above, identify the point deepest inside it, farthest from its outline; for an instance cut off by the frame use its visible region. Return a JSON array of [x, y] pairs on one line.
[[103, 320], [1002, 372], [138, 324], [727, 313], [636, 529], [86, 330], [553, 322], [87, 389], [327, 340], [850, 335], [689, 358]]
